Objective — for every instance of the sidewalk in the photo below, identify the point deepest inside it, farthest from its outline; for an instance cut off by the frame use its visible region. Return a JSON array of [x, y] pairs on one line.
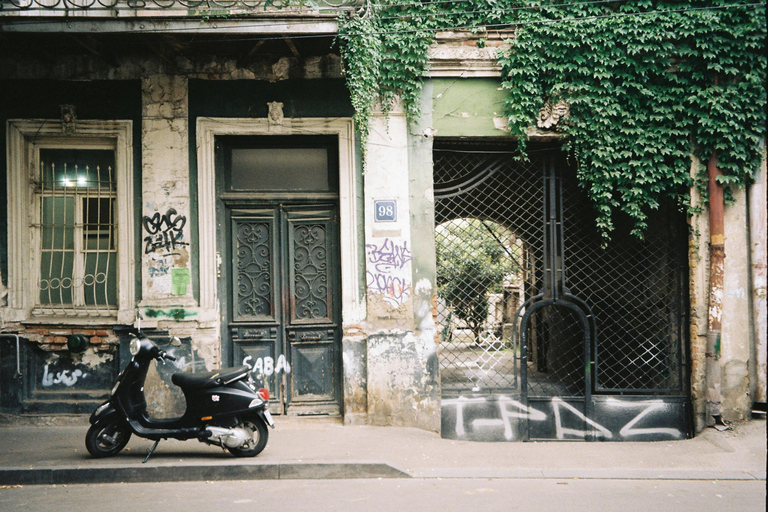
[[322, 448]]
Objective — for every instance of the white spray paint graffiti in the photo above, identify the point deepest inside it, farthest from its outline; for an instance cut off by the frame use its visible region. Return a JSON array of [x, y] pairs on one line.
[[509, 408], [66, 377], [557, 403], [267, 365], [521, 412], [650, 406]]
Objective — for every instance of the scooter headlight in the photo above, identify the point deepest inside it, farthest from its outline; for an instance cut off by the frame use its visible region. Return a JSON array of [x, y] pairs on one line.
[[135, 346]]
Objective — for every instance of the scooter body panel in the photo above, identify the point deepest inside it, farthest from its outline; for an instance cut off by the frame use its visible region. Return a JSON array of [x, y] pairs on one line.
[[219, 402]]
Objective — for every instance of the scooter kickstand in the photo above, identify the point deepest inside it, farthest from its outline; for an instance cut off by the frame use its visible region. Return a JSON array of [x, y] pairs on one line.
[[151, 451]]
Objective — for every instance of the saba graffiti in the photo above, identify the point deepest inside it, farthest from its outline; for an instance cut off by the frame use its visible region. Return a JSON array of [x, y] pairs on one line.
[[389, 270], [503, 419], [165, 231]]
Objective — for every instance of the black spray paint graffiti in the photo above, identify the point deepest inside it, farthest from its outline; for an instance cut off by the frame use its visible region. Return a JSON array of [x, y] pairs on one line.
[[632, 420], [165, 232], [389, 271]]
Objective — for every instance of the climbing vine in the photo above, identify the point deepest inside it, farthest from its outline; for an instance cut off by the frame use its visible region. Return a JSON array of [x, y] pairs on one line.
[[647, 83]]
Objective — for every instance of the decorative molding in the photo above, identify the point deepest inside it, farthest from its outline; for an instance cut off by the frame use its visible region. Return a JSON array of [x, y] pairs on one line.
[[275, 114], [25, 136], [208, 128], [550, 115], [467, 55]]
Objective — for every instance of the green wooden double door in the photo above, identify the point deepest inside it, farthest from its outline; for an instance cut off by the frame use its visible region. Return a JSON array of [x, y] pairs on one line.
[[279, 282]]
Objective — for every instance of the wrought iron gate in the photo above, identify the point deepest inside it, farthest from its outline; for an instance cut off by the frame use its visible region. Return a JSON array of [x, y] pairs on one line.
[[537, 319]]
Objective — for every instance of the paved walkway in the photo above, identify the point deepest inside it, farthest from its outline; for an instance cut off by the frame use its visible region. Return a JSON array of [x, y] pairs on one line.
[[322, 448]]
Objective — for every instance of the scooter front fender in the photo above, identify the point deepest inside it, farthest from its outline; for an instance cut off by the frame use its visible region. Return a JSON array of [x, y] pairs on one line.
[[103, 413]]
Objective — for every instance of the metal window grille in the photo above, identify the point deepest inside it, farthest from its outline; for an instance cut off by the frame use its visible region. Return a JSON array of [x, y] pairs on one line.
[[634, 288], [76, 198]]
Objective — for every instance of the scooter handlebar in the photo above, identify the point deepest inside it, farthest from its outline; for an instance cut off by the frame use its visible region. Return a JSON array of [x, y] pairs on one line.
[[165, 355]]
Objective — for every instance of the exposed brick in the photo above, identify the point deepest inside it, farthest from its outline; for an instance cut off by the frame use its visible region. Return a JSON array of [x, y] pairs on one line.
[[85, 332], [62, 332], [59, 340], [96, 340], [103, 334]]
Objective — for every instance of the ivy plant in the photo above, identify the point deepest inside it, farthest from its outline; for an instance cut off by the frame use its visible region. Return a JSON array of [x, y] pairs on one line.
[[648, 83]]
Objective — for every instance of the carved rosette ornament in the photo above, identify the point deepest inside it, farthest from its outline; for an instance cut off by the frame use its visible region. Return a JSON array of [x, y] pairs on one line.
[[550, 115]]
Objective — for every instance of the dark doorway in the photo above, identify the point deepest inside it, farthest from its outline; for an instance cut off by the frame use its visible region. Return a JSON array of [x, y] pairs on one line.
[[545, 331], [277, 214]]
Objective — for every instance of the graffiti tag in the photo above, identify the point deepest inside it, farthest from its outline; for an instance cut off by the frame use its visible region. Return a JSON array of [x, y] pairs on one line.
[[389, 271], [569, 422], [165, 231], [267, 365], [66, 377], [389, 256]]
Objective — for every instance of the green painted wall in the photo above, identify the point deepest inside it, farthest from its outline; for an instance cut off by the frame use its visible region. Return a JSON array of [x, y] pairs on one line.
[[466, 107]]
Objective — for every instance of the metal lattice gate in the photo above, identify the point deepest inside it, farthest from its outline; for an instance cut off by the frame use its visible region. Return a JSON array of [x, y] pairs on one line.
[[538, 322]]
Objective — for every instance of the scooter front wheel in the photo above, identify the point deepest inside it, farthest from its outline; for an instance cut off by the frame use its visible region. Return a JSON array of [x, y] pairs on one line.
[[259, 435], [107, 439]]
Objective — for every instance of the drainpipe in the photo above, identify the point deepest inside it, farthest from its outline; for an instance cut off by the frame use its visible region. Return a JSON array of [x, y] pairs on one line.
[[757, 237], [715, 312]]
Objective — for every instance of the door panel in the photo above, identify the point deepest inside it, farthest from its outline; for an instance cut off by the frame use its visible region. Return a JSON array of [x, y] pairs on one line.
[[255, 319], [253, 272], [282, 291], [310, 329]]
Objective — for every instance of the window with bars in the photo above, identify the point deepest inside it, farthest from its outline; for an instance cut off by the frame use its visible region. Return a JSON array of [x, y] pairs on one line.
[[71, 256], [78, 253]]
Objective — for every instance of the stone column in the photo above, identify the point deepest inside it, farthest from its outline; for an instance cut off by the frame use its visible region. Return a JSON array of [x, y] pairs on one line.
[[401, 383], [165, 231]]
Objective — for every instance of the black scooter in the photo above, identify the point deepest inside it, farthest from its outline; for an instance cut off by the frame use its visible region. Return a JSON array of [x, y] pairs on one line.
[[223, 409]]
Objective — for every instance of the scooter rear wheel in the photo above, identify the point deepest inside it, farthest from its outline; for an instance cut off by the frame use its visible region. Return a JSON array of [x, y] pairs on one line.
[[257, 441], [107, 439]]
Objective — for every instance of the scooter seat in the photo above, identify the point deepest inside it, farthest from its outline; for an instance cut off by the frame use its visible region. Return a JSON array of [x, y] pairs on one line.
[[212, 379]]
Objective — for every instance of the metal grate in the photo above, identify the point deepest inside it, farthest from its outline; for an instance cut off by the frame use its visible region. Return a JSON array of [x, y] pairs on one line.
[[538, 224], [636, 289], [78, 253], [488, 253]]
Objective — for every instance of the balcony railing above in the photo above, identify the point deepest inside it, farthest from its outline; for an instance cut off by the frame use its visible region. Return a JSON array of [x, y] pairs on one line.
[[187, 7]]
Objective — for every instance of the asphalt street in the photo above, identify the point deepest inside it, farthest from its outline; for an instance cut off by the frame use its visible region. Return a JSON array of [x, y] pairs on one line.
[[322, 465], [443, 495]]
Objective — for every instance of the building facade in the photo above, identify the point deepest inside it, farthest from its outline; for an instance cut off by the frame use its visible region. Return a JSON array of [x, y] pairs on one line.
[[197, 173]]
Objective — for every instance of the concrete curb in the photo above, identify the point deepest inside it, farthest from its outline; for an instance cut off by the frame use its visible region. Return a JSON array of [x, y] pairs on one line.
[[198, 472], [338, 471], [591, 474]]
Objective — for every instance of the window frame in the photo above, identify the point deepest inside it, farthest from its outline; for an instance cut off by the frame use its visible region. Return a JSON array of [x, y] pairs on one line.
[[25, 138]]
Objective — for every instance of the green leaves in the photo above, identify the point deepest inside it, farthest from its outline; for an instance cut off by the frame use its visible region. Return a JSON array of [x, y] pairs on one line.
[[649, 83], [647, 88]]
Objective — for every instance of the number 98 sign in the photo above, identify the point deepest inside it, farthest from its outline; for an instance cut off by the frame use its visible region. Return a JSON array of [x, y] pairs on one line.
[[385, 211]]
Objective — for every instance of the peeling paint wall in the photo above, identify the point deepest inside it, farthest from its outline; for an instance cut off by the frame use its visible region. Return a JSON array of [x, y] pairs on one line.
[[166, 242], [737, 385], [468, 107], [401, 363]]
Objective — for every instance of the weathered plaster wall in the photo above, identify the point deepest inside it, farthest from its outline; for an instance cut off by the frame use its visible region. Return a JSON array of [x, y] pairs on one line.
[[737, 336], [401, 364], [468, 107], [166, 269]]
